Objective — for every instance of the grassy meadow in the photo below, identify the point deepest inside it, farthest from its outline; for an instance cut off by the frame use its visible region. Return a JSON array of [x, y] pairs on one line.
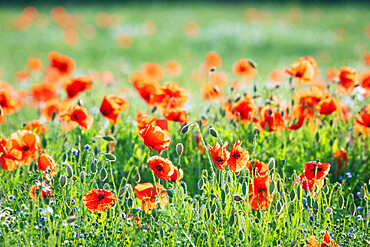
[[209, 206]]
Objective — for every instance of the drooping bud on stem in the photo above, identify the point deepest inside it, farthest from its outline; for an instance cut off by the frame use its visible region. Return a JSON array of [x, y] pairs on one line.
[[213, 132]]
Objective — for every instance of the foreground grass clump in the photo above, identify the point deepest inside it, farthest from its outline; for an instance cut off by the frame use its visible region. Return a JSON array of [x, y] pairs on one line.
[[174, 153]]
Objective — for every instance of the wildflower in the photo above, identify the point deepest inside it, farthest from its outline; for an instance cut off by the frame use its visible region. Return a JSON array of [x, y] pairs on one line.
[[259, 194], [11, 197], [34, 64], [149, 193], [327, 240], [173, 96], [42, 219], [304, 69], [257, 167], [40, 226], [44, 91], [47, 162], [36, 126], [213, 59], [99, 200], [137, 209], [362, 124], [177, 174], [327, 106], [173, 68], [348, 174], [78, 114], [153, 71], [341, 158], [161, 167], [271, 119], [243, 109], [176, 115], [41, 189], [219, 154], [74, 86], [314, 173], [238, 157], [311, 218], [123, 216], [347, 78], [61, 63], [74, 151], [87, 147], [8, 157], [155, 138], [26, 145], [245, 68], [112, 105], [75, 226], [211, 91]]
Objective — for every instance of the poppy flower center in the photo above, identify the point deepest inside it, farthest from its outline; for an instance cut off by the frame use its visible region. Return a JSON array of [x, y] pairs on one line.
[[159, 168], [218, 159], [75, 116], [25, 148], [299, 74], [269, 112], [236, 155], [101, 196]]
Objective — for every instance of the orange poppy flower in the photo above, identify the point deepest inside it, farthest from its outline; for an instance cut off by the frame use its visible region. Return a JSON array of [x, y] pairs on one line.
[[244, 108], [245, 68], [22, 75], [177, 173], [36, 126], [257, 166], [27, 145], [112, 105], [173, 68], [347, 79], [362, 124], [174, 95], [34, 64], [299, 111], [327, 106], [143, 120], [49, 108], [176, 115], [78, 114], [41, 189], [7, 160], [161, 167], [149, 193], [310, 96], [213, 59], [313, 173], [149, 90], [155, 138], [238, 157], [219, 154], [7, 102], [327, 241], [63, 64], [341, 158], [364, 80], [45, 162], [211, 91], [259, 192], [304, 69], [73, 86], [44, 91], [98, 200], [272, 118], [276, 76], [219, 78], [153, 71]]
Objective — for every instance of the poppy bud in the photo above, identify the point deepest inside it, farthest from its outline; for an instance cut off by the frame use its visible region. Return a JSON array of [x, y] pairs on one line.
[[71, 219], [185, 129], [252, 63], [103, 174], [352, 208], [82, 176], [293, 243], [329, 210], [53, 115], [93, 168], [80, 102], [62, 180], [69, 171], [1, 111], [109, 138], [121, 191], [110, 157], [213, 132], [179, 148], [237, 198], [362, 193]]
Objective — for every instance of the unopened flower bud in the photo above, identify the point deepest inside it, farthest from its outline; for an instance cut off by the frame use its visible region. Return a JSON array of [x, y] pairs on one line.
[[179, 148], [82, 176], [213, 132], [63, 180], [69, 171]]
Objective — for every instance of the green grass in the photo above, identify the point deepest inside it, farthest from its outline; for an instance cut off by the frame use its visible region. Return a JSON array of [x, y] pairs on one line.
[[202, 209]]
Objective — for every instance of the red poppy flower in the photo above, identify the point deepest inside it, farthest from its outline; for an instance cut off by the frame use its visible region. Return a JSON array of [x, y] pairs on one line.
[[74, 86], [112, 105], [36, 126], [347, 79], [8, 100], [244, 108], [313, 174], [44, 91], [327, 106], [27, 145], [63, 64], [327, 241], [257, 167], [245, 68], [78, 114], [149, 193], [219, 154], [310, 96], [149, 90], [271, 119], [362, 124], [176, 115], [45, 162], [304, 69], [259, 192], [173, 96], [98, 200], [341, 158], [238, 157], [8, 159], [211, 91], [161, 167], [364, 80], [155, 138], [41, 189], [177, 174]]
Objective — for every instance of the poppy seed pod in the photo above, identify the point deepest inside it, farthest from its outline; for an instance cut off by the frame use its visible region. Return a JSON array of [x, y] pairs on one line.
[[179, 148], [69, 171], [213, 132], [63, 180], [82, 176]]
